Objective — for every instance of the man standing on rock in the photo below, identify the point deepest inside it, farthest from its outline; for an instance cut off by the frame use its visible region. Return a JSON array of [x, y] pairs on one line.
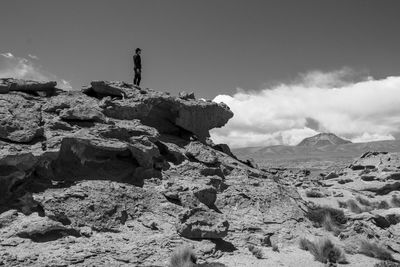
[[137, 67]]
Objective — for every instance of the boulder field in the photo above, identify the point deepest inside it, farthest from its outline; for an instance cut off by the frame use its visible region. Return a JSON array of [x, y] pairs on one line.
[[113, 175]]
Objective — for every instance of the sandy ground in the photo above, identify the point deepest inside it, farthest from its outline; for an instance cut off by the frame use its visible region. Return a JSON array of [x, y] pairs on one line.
[[290, 257]]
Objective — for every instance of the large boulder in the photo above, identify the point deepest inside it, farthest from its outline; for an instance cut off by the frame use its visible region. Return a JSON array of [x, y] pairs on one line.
[[27, 85], [104, 88], [20, 119], [160, 110], [200, 223]]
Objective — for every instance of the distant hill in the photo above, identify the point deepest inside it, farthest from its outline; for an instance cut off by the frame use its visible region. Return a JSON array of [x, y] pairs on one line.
[[323, 139], [297, 155]]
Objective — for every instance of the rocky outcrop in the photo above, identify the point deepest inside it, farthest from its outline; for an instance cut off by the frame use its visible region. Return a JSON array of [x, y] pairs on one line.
[[20, 118], [11, 84], [115, 174], [199, 223], [160, 110]]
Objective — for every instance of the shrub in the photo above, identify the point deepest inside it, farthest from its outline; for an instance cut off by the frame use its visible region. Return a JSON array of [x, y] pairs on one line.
[[183, 257], [342, 204], [331, 226], [314, 193], [319, 214], [275, 248], [374, 250], [383, 205], [363, 201], [323, 250], [353, 206], [257, 252]]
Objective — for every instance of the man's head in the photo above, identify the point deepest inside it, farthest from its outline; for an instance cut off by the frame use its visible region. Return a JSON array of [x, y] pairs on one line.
[[138, 51]]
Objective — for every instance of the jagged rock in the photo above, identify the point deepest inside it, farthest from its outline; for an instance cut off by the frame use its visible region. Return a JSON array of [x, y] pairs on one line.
[[100, 205], [206, 194], [4, 87], [385, 218], [27, 85], [225, 149], [41, 228], [15, 166], [119, 167], [109, 88], [190, 192], [186, 96], [201, 153], [97, 158], [372, 160], [331, 175], [7, 218], [168, 114], [82, 113], [20, 119], [198, 223]]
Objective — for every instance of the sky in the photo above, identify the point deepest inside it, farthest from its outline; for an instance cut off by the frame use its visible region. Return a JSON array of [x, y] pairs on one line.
[[261, 57]]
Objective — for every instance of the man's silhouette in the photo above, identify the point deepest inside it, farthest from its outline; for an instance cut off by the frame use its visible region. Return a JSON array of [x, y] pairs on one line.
[[137, 67]]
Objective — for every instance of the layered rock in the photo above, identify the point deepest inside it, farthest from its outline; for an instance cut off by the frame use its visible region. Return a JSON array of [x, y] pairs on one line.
[[11, 84], [125, 174]]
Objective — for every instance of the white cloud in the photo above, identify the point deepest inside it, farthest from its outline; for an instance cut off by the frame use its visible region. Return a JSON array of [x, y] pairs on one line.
[[7, 55], [21, 68], [364, 110], [33, 57], [66, 85]]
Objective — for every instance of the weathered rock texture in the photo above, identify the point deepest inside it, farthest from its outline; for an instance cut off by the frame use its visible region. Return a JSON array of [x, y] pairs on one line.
[[115, 176]]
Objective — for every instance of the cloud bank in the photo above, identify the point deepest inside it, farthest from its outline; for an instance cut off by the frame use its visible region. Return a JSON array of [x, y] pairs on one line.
[[21, 68], [343, 102]]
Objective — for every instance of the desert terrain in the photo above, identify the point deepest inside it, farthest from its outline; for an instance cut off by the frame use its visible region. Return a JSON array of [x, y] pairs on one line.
[[113, 175]]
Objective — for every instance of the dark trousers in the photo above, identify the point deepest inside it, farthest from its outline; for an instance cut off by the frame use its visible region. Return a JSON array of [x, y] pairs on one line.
[[138, 76]]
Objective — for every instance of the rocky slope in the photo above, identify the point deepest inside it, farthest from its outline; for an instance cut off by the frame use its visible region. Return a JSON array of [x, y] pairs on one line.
[[118, 176]]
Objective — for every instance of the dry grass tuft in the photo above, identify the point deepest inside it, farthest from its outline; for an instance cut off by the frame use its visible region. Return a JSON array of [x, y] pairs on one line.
[[364, 201], [275, 248], [374, 250], [383, 205], [395, 201], [353, 206], [183, 257], [331, 225], [257, 252], [323, 250], [318, 215], [314, 193]]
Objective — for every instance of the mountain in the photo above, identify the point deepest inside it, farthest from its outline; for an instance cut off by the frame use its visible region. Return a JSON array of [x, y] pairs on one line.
[[309, 156], [323, 139]]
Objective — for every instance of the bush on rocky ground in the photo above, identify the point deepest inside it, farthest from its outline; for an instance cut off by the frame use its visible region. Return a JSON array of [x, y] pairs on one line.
[[185, 257], [257, 252], [395, 201], [323, 250], [331, 225], [314, 193], [318, 215], [375, 250]]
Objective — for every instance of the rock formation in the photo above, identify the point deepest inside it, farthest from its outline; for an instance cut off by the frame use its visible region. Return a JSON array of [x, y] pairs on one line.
[[113, 175]]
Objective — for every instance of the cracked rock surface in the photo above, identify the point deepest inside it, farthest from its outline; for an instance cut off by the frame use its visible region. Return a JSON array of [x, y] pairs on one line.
[[116, 176]]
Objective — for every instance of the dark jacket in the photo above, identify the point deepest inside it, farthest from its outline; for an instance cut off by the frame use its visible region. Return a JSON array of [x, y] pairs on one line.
[[137, 61]]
